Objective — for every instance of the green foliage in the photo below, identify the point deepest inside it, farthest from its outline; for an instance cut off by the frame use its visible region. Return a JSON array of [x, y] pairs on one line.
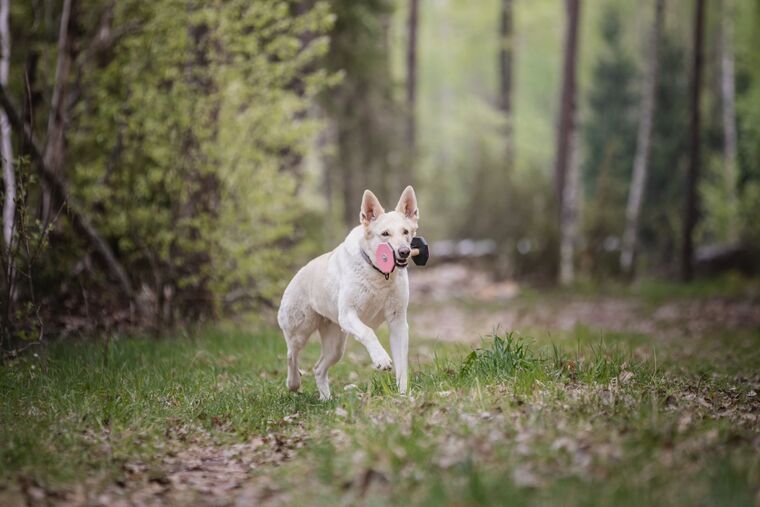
[[486, 200], [184, 144], [609, 135], [661, 214], [609, 129], [367, 119], [749, 211], [748, 89], [610, 140], [720, 204], [188, 123], [20, 317], [748, 119]]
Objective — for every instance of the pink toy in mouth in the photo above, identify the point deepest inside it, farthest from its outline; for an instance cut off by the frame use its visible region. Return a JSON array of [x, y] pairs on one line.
[[384, 259]]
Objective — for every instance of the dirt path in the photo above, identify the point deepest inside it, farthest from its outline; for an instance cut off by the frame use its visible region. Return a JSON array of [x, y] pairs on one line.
[[452, 303], [220, 475]]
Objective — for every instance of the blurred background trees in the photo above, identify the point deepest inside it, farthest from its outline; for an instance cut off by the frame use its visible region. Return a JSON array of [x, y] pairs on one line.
[[216, 146]]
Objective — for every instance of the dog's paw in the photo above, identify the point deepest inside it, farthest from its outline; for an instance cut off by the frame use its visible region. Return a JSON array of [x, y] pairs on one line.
[[382, 363]]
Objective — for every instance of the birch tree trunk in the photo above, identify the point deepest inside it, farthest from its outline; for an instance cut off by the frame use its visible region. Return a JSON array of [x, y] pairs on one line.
[[566, 163], [506, 56], [569, 218], [641, 160], [692, 176], [728, 93], [6, 148], [53, 155]]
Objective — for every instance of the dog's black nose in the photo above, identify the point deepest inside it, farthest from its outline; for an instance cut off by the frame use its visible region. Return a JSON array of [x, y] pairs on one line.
[[403, 252]]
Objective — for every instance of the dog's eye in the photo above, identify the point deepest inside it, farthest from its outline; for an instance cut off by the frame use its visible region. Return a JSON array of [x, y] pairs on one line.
[[385, 234], [406, 232]]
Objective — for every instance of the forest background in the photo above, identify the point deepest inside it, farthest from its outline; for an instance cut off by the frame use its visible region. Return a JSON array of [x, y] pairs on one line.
[[170, 163]]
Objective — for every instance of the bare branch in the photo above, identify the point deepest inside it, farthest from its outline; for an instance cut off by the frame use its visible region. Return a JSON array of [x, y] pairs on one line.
[[53, 153], [59, 194]]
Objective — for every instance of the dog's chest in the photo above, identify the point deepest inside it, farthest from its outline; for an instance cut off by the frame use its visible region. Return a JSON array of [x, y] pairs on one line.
[[372, 295]]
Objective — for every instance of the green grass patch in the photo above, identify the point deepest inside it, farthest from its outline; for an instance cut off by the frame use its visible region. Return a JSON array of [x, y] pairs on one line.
[[84, 406], [595, 420]]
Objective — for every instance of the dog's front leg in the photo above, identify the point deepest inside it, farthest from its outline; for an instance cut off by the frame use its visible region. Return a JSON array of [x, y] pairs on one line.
[[351, 323], [399, 330]]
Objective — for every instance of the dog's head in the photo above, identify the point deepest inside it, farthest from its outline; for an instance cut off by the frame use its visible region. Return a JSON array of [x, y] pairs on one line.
[[396, 227]]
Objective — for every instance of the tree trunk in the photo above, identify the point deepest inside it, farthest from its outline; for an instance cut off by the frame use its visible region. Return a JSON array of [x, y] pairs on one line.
[[6, 148], [60, 196], [566, 163], [567, 98], [506, 55], [641, 160], [728, 93], [692, 176], [9, 182], [345, 161], [569, 218], [411, 85], [53, 156]]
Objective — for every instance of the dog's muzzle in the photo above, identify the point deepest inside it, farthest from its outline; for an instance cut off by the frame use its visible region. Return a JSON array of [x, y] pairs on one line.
[[401, 256]]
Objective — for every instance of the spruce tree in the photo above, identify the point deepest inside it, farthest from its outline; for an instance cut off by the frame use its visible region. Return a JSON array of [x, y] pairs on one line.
[[609, 134]]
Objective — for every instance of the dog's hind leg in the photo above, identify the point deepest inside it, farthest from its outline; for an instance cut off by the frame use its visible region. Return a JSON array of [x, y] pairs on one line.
[[297, 324], [333, 347], [295, 344]]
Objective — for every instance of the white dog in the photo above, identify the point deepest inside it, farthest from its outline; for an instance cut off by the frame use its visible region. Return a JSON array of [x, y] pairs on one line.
[[343, 292]]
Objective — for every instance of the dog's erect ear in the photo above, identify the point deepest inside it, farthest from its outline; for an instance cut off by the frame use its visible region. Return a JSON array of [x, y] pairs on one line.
[[371, 208], [408, 204]]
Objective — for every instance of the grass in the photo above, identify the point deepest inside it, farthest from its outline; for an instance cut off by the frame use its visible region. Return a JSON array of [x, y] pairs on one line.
[[598, 420], [62, 410]]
